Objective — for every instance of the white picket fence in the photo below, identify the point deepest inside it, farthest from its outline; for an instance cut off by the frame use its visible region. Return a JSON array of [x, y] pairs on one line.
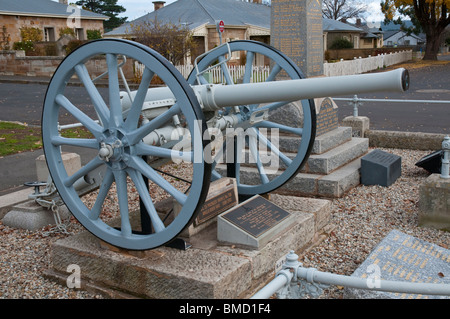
[[361, 65], [215, 75]]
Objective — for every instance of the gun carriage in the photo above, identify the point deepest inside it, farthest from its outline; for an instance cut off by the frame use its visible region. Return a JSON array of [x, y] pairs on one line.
[[174, 136]]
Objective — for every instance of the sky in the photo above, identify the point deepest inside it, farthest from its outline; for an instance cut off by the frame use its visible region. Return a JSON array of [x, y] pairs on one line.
[[138, 8]]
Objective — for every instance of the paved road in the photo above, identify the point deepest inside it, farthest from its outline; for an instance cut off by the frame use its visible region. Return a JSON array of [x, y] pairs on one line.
[[23, 102]]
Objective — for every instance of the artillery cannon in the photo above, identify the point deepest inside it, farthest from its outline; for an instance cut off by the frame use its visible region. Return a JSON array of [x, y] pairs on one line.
[[169, 140]]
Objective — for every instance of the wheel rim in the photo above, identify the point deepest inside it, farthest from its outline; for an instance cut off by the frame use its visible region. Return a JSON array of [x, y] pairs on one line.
[[290, 164], [117, 149]]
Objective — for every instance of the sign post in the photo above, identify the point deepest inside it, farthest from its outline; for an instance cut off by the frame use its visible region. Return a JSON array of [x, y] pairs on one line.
[[220, 25]]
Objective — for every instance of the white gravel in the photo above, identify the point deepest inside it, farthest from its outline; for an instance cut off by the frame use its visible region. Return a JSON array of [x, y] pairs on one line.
[[360, 221]]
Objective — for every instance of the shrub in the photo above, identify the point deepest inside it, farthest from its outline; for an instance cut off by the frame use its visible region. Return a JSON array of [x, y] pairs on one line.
[[66, 31], [26, 46], [341, 43], [72, 45], [93, 34], [31, 34]]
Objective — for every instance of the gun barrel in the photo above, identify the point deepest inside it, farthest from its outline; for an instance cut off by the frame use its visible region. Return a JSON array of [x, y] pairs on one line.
[[217, 96]]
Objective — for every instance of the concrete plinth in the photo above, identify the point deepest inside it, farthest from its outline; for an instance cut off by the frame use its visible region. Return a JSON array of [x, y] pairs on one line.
[[434, 203], [359, 124], [208, 269], [32, 216]]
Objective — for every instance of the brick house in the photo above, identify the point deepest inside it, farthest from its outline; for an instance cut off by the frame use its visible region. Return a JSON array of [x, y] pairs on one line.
[[47, 15], [243, 21]]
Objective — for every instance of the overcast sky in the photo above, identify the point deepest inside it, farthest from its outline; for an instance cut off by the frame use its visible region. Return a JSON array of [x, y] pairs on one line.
[[138, 8]]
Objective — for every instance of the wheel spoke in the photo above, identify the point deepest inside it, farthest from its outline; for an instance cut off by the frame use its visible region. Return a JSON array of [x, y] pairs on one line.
[[248, 67], [120, 177], [273, 148], [136, 107], [90, 124], [150, 150], [80, 142], [140, 165], [103, 191], [135, 136], [268, 124], [275, 70], [116, 117], [145, 197], [226, 72], [93, 164], [252, 143], [99, 104]]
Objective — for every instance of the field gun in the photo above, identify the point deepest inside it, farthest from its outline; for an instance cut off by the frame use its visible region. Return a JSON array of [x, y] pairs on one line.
[[169, 137]]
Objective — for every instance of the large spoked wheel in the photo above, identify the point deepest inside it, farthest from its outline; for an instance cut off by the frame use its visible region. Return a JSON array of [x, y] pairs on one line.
[[111, 144], [277, 138]]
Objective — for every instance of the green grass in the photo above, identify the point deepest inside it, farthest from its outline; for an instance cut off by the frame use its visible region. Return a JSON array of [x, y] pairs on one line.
[[17, 138]]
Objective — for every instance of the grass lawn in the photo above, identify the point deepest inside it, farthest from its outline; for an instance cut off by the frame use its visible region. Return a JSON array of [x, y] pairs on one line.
[[17, 138]]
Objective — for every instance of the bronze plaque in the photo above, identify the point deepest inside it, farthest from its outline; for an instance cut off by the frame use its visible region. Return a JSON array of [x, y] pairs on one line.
[[256, 216], [216, 205]]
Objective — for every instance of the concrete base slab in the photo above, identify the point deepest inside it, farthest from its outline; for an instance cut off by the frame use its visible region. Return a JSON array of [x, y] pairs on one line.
[[32, 216], [208, 269]]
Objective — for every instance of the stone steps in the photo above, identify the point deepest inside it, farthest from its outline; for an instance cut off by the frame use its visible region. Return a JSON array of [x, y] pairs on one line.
[[331, 170]]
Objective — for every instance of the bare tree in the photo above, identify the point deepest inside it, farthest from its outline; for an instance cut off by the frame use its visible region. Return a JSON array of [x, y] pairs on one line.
[[173, 41], [342, 9]]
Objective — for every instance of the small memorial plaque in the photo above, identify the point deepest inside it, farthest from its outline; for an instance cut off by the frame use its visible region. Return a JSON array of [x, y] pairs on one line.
[[217, 204], [401, 257], [380, 168], [252, 223], [327, 117]]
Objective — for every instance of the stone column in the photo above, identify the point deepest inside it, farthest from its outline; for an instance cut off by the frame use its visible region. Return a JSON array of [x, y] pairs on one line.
[[296, 30]]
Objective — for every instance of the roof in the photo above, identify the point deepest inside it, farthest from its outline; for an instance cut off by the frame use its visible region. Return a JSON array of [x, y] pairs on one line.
[[44, 8], [337, 26], [195, 13]]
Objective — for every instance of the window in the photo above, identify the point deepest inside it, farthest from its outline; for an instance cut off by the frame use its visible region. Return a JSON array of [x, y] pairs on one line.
[[49, 34], [80, 33]]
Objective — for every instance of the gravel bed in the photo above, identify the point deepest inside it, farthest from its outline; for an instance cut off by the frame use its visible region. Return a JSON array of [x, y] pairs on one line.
[[360, 221]]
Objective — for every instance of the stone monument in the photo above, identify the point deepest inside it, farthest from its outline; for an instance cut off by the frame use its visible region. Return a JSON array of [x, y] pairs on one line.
[[296, 30]]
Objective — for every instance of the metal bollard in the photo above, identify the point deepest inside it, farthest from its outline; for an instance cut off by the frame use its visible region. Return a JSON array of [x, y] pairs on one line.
[[445, 158]]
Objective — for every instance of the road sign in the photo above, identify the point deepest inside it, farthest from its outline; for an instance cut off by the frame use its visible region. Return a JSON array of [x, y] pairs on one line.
[[221, 26]]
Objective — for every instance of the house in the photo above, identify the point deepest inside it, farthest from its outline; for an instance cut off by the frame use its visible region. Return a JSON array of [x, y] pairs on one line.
[[396, 38], [334, 30], [46, 15], [243, 20]]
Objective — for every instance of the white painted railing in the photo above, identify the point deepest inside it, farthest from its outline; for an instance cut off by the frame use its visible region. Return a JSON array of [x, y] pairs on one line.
[[361, 65]]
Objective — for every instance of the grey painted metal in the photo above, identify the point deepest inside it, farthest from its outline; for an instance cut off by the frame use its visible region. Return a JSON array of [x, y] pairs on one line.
[[315, 278], [175, 115], [445, 158], [249, 104], [118, 144]]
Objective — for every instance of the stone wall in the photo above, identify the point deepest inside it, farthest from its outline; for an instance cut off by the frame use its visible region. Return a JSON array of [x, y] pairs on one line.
[[16, 63], [14, 23]]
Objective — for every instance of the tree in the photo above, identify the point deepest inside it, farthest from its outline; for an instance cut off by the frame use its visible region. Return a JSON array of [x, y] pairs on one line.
[[342, 9], [173, 41], [431, 16], [108, 8]]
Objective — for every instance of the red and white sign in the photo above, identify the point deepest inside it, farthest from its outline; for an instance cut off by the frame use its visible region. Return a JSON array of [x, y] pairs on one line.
[[221, 26]]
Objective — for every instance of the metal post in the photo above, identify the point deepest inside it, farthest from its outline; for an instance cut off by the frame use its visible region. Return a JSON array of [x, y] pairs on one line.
[[445, 158], [356, 104]]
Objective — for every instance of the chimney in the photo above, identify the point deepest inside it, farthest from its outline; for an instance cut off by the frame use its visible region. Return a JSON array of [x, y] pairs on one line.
[[257, 1], [358, 22], [63, 1], [158, 4]]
